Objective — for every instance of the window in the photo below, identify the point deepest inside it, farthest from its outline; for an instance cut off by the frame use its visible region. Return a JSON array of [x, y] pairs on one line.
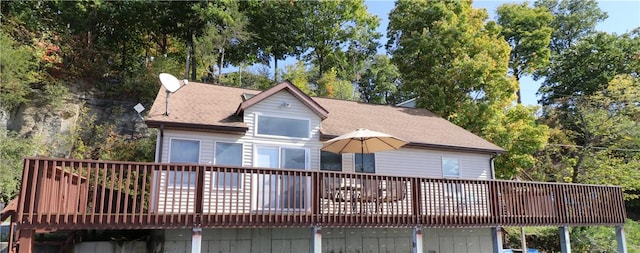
[[183, 151], [330, 161], [275, 157], [228, 154], [368, 165], [450, 167], [288, 127], [281, 191]]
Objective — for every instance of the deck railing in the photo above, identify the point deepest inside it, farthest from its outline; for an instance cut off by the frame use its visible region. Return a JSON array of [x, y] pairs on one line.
[[75, 194]]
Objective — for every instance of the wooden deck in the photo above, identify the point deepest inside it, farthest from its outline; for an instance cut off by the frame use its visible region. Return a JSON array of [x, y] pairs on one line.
[[78, 194]]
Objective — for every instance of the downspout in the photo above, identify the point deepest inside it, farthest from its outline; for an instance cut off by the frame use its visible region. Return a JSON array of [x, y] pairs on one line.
[[492, 167], [159, 140], [155, 175]]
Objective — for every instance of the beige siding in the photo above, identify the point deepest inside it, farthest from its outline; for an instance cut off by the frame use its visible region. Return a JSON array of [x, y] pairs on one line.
[[404, 162], [271, 107], [428, 163]]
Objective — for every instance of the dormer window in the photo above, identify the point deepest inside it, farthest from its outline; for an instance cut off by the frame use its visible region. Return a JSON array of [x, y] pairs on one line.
[[281, 126]]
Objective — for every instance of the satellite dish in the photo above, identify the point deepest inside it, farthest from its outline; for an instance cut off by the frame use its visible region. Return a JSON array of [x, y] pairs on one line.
[[169, 82]]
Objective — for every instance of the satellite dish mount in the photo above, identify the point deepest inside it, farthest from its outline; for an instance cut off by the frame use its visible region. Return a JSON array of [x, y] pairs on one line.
[[171, 85]]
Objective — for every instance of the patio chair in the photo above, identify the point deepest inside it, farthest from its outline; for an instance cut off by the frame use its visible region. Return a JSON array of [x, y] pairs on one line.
[[369, 196], [395, 191]]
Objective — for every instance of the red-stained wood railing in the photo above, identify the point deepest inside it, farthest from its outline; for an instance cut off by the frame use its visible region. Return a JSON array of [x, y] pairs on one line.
[[80, 194]]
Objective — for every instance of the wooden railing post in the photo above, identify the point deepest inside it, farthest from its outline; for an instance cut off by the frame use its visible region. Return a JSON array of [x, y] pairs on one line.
[[416, 200], [199, 201]]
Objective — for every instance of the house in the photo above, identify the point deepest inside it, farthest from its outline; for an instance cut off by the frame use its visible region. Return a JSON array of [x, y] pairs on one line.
[[242, 170]]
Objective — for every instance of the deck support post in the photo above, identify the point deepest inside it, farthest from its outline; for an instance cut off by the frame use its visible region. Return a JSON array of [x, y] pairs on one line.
[[196, 240], [26, 240], [496, 238], [622, 242], [316, 240], [417, 240], [565, 242]]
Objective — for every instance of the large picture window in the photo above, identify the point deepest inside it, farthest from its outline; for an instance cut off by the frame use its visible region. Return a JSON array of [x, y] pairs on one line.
[[366, 166], [330, 161], [183, 151], [279, 126], [450, 167], [229, 154]]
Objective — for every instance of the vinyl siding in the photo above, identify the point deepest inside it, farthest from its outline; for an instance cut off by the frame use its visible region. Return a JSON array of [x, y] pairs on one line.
[[427, 163], [409, 162]]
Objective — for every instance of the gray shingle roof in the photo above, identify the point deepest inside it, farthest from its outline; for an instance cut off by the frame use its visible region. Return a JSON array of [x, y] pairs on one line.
[[209, 107]]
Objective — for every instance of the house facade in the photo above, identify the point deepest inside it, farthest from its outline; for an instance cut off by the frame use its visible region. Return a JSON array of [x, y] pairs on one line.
[[242, 170], [284, 128]]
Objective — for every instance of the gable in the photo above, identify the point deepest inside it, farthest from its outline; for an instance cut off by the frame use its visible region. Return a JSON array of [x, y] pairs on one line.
[[291, 89]]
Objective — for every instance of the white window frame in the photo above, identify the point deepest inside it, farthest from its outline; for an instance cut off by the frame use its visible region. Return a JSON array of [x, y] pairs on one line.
[[444, 171], [257, 126], [241, 179], [170, 184]]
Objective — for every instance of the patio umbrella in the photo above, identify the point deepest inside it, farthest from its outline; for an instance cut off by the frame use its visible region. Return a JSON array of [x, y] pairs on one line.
[[363, 141]]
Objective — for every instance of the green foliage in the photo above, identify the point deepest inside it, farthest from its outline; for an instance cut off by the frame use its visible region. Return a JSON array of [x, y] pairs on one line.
[[583, 239], [452, 60], [330, 86], [589, 66], [12, 150], [528, 32], [16, 71], [93, 139], [299, 76], [226, 30], [596, 141], [521, 136], [379, 82], [573, 20], [330, 27]]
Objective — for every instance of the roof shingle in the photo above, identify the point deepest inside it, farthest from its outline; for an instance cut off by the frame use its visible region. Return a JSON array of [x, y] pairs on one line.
[[205, 106]]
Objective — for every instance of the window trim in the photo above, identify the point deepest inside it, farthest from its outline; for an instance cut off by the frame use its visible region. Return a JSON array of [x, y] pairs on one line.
[[257, 126], [180, 185], [457, 159], [241, 179]]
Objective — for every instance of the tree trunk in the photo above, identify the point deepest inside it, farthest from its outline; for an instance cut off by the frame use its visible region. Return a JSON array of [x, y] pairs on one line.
[[517, 76], [275, 71], [194, 62], [186, 68], [220, 67]]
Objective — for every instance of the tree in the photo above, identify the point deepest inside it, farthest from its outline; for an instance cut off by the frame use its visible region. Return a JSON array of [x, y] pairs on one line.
[[452, 60], [226, 30], [519, 133], [528, 32], [600, 144], [379, 82], [573, 20], [299, 76], [589, 65], [332, 26], [17, 72], [329, 85], [278, 27], [12, 149]]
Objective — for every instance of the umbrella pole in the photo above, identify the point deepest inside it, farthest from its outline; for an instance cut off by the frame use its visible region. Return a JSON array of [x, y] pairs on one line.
[[362, 153]]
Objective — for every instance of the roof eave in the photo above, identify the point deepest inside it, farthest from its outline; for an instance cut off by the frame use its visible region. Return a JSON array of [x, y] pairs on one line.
[[199, 127], [325, 137]]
